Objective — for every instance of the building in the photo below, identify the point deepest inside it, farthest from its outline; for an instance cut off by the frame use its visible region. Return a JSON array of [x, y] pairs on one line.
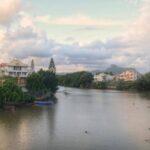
[[128, 75], [103, 77], [17, 69], [3, 70]]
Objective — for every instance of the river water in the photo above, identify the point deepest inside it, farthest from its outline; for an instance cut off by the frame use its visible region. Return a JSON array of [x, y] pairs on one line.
[[80, 120]]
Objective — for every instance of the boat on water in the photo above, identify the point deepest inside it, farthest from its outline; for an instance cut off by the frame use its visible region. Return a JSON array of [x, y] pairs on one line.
[[44, 103]]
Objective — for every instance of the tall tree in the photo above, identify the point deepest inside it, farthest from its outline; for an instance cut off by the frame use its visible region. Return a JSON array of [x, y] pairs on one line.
[[32, 66], [52, 67]]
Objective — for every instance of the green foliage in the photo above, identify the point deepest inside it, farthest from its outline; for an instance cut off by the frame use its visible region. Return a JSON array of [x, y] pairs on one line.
[[35, 84], [100, 85], [143, 83], [125, 85], [78, 79], [49, 80], [52, 67], [42, 82], [11, 93], [86, 80]]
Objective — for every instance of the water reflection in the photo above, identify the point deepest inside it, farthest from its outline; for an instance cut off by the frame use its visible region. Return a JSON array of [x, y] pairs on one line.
[[145, 95], [113, 121], [26, 125]]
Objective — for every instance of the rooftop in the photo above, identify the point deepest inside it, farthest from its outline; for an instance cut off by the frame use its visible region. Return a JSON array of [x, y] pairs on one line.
[[17, 62]]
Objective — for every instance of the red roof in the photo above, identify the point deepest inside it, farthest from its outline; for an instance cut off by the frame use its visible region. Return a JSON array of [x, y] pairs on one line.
[[3, 65]]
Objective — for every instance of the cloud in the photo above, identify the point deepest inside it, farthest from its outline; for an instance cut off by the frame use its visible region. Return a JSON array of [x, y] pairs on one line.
[[26, 42], [131, 49], [79, 20], [138, 37], [8, 10]]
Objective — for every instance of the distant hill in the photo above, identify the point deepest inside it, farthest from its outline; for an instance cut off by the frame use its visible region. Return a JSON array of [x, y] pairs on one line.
[[117, 69]]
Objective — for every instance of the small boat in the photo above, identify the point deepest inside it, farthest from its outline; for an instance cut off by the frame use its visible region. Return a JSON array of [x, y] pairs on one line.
[[43, 102], [65, 92]]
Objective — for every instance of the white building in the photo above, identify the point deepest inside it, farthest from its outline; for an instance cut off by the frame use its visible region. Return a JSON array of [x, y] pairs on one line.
[[16, 68], [128, 75], [103, 77]]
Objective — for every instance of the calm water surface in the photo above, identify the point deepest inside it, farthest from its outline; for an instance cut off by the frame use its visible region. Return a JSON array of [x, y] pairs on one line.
[[113, 121]]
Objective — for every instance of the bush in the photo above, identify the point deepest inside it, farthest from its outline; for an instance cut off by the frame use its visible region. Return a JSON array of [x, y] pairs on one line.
[[78, 79], [42, 82], [100, 85], [125, 85], [11, 93], [143, 83]]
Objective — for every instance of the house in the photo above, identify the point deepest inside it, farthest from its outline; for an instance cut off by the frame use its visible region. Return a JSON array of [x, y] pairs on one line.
[[128, 75], [103, 77], [16, 68]]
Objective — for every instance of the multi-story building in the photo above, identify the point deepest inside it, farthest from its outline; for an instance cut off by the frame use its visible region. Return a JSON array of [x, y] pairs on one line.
[[17, 69], [128, 75], [103, 77]]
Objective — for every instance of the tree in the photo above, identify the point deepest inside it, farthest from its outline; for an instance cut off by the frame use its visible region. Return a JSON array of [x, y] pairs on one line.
[[125, 85], [52, 67], [11, 93], [86, 80], [35, 84], [49, 80], [32, 66], [143, 83], [78, 79], [101, 85]]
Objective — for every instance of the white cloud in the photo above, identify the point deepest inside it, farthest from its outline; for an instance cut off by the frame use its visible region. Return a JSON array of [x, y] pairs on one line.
[[9, 10], [130, 49]]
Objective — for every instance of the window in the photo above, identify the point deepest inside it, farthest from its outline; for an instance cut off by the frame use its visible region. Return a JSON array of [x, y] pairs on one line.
[[17, 67], [24, 73]]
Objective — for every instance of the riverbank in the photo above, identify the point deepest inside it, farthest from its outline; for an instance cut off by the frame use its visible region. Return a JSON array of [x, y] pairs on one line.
[[85, 80], [40, 86]]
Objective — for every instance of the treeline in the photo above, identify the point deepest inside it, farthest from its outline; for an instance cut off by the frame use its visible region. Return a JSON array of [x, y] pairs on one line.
[[11, 93], [42, 83], [85, 80], [142, 84], [78, 79]]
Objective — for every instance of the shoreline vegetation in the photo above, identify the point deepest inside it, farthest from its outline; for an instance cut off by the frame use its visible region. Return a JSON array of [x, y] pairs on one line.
[[40, 86], [85, 80]]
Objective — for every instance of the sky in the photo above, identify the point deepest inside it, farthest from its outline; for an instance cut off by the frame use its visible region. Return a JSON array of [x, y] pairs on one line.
[[78, 34]]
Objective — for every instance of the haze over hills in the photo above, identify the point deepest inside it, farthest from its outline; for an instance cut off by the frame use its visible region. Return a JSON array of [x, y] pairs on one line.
[[113, 69], [117, 69]]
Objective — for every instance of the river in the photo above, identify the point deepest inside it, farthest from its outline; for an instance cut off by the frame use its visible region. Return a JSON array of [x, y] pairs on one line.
[[80, 120]]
